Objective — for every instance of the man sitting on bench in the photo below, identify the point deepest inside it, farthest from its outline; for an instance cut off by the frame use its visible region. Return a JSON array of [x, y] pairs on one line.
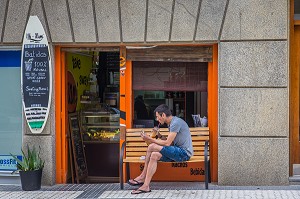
[[163, 150]]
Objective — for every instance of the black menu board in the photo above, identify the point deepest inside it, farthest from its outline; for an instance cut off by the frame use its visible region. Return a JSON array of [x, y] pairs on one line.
[[77, 148], [36, 75], [110, 59], [35, 84]]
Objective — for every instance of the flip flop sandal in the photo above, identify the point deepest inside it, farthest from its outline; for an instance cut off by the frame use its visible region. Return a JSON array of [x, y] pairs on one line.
[[138, 191], [135, 184]]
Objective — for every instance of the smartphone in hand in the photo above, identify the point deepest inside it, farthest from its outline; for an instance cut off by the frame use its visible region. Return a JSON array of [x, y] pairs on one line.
[[142, 133]]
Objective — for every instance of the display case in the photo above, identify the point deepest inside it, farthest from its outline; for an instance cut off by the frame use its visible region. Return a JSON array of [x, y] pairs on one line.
[[100, 126], [101, 137]]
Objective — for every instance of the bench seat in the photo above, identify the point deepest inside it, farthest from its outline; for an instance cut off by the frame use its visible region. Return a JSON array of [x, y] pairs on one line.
[[139, 160], [134, 147]]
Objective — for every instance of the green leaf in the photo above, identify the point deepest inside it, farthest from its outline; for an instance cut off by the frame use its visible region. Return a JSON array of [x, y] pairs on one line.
[[31, 160]]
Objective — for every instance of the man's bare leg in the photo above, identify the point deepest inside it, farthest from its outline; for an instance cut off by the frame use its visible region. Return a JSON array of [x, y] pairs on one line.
[[155, 157], [151, 148], [151, 169]]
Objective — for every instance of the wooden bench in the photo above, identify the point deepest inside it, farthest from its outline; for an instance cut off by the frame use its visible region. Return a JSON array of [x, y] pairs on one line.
[[134, 147]]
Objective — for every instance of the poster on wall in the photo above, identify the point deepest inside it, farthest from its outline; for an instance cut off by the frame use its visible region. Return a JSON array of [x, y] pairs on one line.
[[7, 163], [36, 75]]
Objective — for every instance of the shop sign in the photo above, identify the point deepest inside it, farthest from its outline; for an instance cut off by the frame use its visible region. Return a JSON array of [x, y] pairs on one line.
[[7, 163], [175, 171], [36, 75]]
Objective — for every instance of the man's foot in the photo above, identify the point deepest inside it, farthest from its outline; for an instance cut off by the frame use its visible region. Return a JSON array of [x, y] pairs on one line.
[[134, 182], [138, 191]]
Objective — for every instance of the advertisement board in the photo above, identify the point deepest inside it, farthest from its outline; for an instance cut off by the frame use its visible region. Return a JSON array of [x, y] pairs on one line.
[[36, 77]]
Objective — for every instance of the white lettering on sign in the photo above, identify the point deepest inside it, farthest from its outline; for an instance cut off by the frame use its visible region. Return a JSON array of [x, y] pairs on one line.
[[35, 54], [36, 89], [8, 163]]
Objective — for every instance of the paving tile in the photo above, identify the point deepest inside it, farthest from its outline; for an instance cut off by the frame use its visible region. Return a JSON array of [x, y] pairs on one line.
[[171, 190], [40, 194]]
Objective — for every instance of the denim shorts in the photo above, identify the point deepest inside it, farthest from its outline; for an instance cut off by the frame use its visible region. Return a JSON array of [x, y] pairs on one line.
[[173, 154]]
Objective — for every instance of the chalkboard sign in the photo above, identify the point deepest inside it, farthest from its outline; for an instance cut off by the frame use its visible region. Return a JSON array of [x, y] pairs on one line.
[[110, 59], [36, 75], [77, 148]]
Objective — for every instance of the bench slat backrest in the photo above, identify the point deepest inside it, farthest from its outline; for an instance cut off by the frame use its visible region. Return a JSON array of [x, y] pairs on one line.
[[136, 146]]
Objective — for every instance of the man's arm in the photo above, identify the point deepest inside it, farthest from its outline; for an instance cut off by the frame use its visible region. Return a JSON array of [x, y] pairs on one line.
[[167, 142]]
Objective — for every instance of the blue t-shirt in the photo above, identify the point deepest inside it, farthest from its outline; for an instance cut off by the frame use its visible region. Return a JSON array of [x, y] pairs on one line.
[[183, 138]]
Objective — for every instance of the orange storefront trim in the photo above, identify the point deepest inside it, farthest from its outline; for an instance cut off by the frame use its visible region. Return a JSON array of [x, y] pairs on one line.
[[213, 112], [128, 100], [60, 117]]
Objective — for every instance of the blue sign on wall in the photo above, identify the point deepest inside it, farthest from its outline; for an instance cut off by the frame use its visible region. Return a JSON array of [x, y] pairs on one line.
[[10, 58], [7, 163]]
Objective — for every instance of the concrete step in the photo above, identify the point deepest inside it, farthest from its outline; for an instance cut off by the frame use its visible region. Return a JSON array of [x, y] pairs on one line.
[[294, 180]]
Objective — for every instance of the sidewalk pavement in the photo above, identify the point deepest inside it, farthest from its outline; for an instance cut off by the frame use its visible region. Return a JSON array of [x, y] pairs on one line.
[[168, 190]]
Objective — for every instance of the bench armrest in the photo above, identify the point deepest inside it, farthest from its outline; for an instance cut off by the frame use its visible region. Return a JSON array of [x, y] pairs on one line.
[[206, 162], [206, 151], [122, 151]]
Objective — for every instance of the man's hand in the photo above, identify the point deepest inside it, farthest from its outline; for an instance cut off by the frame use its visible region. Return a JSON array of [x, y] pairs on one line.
[[146, 138]]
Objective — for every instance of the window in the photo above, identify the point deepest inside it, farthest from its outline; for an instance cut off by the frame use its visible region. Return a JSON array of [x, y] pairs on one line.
[[10, 107], [180, 85]]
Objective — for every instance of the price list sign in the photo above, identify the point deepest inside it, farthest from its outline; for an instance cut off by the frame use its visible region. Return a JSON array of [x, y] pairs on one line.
[[36, 76]]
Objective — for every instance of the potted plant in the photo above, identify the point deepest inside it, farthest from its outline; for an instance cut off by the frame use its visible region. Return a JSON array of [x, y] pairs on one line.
[[30, 169]]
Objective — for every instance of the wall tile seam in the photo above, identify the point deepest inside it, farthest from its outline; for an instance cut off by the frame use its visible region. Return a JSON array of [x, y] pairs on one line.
[[27, 18], [253, 40], [70, 21], [187, 42], [4, 21], [95, 21], [171, 21], [46, 21], [204, 42], [146, 20], [120, 21], [254, 87], [208, 42], [247, 136], [197, 19], [223, 21]]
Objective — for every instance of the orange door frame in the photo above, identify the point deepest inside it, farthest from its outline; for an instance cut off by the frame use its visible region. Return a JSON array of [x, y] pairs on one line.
[[212, 110], [60, 117]]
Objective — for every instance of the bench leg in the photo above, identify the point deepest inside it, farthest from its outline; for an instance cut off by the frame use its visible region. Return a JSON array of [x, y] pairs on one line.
[[206, 175], [206, 163], [121, 175], [127, 171], [209, 174]]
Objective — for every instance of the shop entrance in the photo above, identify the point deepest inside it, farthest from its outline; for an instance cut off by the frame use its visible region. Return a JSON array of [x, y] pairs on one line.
[[184, 78], [91, 86], [117, 98]]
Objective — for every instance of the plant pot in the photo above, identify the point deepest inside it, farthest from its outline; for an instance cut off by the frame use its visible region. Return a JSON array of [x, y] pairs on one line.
[[31, 180]]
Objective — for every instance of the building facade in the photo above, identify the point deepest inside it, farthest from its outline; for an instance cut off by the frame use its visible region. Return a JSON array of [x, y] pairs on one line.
[[255, 128]]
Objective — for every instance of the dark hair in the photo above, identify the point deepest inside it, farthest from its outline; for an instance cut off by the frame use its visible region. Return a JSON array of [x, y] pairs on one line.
[[163, 108], [140, 97]]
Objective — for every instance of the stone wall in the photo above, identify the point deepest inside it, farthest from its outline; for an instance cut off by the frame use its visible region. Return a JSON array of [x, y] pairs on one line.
[[253, 94]]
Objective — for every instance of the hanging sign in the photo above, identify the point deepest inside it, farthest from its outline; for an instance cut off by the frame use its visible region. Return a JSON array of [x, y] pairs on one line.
[[36, 75]]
